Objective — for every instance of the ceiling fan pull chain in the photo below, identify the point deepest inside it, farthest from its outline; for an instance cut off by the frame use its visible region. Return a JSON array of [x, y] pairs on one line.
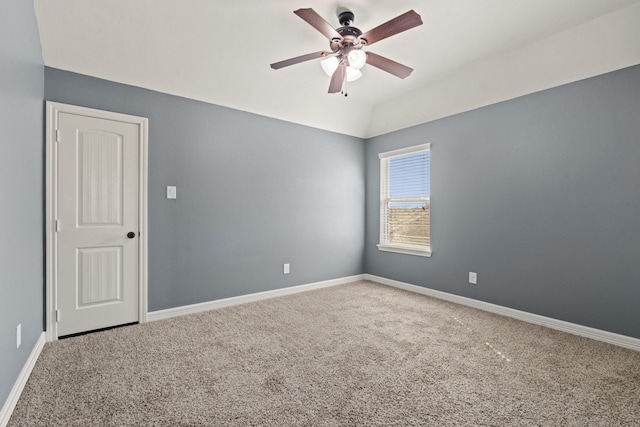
[[345, 83]]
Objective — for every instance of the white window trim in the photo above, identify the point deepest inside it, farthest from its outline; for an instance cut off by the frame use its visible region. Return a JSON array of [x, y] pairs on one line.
[[404, 250], [406, 150], [386, 247]]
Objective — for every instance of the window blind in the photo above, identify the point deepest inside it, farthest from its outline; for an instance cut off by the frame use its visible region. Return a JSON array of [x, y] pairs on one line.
[[405, 198]]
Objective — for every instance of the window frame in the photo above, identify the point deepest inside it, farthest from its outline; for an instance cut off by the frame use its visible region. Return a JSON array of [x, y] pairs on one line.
[[385, 200]]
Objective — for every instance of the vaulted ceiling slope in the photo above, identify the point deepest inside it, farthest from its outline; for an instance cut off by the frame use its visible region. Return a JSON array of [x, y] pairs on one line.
[[468, 53]]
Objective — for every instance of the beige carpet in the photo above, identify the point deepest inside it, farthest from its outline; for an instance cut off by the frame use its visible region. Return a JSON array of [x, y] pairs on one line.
[[357, 354]]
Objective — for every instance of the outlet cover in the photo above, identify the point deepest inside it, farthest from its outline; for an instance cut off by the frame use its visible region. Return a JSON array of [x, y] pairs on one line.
[[171, 192], [473, 278], [286, 269], [19, 335]]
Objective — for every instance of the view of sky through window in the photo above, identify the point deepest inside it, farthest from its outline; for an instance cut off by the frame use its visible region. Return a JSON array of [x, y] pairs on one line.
[[409, 176]]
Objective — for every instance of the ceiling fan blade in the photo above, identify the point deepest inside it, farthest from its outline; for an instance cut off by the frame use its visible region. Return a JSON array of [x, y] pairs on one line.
[[298, 59], [318, 22], [385, 64], [401, 23], [337, 79]]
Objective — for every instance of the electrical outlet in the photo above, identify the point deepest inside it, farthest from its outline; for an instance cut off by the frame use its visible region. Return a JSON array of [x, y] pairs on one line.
[[285, 269], [171, 192], [473, 278], [19, 335]]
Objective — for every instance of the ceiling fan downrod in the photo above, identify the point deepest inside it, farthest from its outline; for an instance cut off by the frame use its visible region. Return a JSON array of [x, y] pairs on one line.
[[345, 18]]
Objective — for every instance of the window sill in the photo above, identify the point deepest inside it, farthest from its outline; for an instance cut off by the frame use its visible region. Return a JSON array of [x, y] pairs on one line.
[[405, 250]]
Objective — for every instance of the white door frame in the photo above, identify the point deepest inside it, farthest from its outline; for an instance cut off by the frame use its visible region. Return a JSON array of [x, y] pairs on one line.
[[51, 188]]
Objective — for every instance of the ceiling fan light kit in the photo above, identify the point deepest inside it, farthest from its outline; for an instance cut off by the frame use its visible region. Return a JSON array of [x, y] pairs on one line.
[[330, 64], [347, 56]]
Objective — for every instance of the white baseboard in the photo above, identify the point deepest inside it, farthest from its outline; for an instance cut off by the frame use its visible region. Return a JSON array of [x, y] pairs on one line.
[[16, 391], [227, 302], [560, 325]]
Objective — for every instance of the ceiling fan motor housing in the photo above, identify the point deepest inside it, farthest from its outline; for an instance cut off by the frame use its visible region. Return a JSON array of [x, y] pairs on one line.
[[350, 38], [349, 31]]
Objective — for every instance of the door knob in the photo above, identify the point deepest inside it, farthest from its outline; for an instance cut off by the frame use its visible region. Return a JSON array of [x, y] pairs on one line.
[[131, 234]]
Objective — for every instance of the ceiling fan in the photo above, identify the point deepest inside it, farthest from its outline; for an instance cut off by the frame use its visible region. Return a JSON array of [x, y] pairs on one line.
[[347, 56]]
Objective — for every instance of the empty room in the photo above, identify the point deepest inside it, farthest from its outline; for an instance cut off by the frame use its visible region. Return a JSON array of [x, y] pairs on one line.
[[322, 213]]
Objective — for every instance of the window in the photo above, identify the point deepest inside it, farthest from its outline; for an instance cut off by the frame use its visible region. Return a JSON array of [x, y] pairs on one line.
[[405, 200]]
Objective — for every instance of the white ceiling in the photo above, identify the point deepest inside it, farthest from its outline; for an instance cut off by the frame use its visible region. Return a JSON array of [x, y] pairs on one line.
[[467, 54]]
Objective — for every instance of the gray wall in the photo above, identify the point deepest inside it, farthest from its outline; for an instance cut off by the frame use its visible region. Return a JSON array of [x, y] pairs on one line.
[[540, 196], [253, 193], [21, 173]]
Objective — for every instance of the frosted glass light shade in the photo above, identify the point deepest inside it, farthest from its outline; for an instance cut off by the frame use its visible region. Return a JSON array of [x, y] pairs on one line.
[[329, 65], [357, 58], [353, 74]]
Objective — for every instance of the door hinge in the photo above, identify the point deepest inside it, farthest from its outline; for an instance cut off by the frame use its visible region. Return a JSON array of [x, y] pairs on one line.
[[58, 135], [57, 225], [58, 315]]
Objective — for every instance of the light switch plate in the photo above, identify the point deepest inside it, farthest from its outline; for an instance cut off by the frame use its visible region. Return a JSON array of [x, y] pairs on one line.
[[171, 192]]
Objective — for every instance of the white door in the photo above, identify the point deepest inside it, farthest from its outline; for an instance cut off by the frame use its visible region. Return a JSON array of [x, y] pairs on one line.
[[98, 230]]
